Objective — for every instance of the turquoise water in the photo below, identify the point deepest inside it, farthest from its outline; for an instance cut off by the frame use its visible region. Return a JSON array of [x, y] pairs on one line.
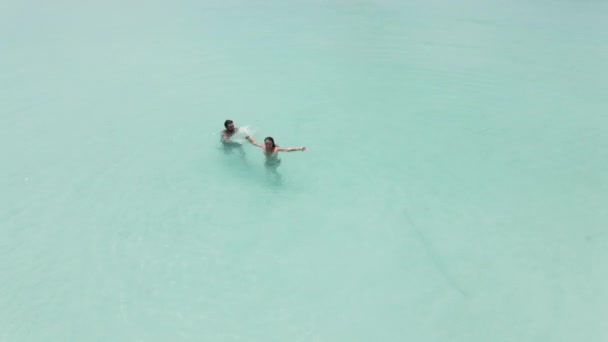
[[454, 189]]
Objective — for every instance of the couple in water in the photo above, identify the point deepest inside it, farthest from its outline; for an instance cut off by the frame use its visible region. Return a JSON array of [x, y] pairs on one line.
[[270, 149]]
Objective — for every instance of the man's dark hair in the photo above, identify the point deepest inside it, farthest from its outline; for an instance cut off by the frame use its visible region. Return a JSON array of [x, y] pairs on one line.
[[227, 122]]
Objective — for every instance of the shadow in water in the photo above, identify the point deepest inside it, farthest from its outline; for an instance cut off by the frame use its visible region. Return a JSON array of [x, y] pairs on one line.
[[237, 164], [273, 176], [233, 148]]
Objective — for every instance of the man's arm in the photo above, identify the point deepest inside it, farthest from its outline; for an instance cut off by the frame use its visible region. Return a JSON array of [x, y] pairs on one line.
[[225, 137]]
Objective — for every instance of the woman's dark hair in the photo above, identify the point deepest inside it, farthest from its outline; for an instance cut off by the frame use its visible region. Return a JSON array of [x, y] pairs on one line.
[[227, 122], [271, 140]]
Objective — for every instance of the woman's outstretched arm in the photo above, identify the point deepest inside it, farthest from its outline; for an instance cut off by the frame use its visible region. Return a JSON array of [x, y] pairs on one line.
[[253, 142], [291, 149]]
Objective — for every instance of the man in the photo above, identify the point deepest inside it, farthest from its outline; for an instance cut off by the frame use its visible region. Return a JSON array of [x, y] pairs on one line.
[[229, 131]]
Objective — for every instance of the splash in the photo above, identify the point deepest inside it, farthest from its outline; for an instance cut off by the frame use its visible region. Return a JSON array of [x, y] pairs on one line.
[[241, 134]]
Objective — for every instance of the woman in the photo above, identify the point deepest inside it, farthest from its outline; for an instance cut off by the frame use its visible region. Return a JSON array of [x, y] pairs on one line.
[[271, 151]]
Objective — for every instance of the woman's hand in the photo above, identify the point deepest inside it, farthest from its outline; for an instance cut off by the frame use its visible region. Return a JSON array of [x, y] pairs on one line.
[[303, 148]]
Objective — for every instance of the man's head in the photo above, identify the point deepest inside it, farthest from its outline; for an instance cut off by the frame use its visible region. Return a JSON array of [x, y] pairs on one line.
[[229, 125]]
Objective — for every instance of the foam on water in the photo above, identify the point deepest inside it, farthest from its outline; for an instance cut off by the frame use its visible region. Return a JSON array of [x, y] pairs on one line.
[[241, 134]]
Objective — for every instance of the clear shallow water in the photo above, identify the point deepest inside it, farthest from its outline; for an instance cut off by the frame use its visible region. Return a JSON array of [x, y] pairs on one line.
[[455, 186]]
